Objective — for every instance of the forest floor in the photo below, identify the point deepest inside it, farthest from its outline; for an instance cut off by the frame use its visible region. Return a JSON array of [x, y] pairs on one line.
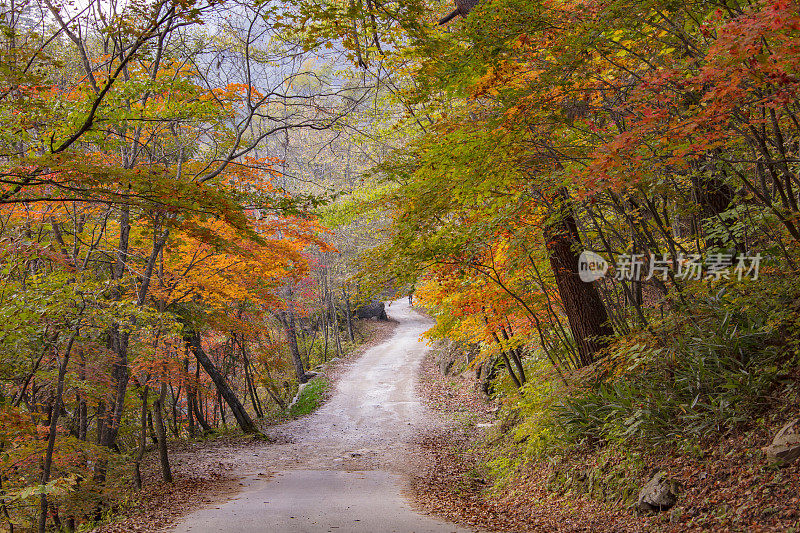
[[208, 472], [727, 485]]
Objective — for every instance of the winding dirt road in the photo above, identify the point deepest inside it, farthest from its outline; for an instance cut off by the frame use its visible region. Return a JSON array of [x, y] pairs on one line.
[[341, 468]]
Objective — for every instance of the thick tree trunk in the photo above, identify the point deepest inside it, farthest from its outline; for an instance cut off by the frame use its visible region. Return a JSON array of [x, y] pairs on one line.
[[583, 306], [246, 423]]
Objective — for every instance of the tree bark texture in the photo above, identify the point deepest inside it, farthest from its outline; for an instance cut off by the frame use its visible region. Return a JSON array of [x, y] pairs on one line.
[[588, 320]]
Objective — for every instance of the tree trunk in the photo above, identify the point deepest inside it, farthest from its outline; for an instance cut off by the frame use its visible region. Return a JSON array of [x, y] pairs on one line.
[[137, 472], [120, 339], [83, 413], [198, 414], [325, 324], [121, 376], [51, 437], [583, 306], [348, 316], [507, 361], [119, 343], [152, 428], [4, 508], [218, 405], [250, 383], [166, 471], [291, 338], [174, 395], [189, 400], [194, 407], [335, 321], [273, 391], [100, 416], [325, 332], [246, 423]]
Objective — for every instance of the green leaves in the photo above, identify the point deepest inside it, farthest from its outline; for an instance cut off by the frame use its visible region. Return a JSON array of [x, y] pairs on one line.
[[58, 487]]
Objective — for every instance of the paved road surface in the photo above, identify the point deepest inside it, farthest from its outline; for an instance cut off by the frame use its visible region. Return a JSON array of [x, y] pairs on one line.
[[341, 468]]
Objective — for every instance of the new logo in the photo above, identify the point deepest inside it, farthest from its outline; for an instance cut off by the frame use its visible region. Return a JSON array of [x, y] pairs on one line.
[[591, 266]]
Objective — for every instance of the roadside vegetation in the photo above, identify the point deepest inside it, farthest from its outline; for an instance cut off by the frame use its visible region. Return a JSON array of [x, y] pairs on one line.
[[311, 397]]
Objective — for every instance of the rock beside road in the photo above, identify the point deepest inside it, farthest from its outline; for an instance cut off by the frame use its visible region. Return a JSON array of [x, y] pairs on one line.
[[785, 447], [372, 310], [659, 494]]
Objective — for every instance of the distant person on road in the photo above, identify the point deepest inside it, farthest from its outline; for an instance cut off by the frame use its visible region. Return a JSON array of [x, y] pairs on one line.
[[410, 298]]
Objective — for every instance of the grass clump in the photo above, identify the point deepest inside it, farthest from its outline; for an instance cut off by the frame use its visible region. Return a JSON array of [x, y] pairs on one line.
[[311, 397], [710, 372]]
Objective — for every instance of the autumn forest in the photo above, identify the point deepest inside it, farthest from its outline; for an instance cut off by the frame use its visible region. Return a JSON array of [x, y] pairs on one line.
[[595, 203]]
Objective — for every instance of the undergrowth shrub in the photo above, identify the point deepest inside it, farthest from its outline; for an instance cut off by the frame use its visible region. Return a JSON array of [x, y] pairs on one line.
[[715, 367], [526, 431], [614, 477], [711, 365]]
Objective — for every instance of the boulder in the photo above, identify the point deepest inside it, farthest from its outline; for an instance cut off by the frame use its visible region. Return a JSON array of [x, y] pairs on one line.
[[658, 494], [374, 309], [785, 447]]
